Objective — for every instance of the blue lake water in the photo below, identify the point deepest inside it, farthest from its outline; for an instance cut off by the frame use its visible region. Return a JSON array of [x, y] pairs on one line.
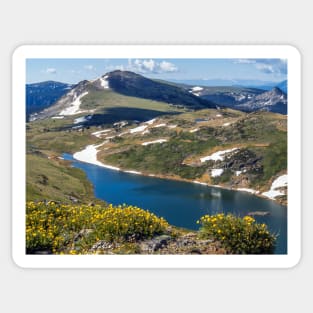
[[182, 203]]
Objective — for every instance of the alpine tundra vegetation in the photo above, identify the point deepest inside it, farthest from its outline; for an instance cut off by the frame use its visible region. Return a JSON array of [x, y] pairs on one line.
[[233, 137]]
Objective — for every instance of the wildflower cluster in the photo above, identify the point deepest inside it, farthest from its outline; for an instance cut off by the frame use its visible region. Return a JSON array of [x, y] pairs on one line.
[[72, 229], [238, 235], [128, 222]]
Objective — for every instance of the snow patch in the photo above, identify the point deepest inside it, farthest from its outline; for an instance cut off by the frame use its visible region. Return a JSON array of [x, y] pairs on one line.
[[79, 127], [197, 88], [217, 172], [280, 182], [74, 106], [33, 117], [248, 190], [241, 97], [226, 124], [219, 155], [194, 130], [238, 173], [122, 134], [199, 183], [152, 142], [89, 155], [159, 125], [82, 119], [218, 115], [57, 117], [120, 124], [98, 133], [150, 122], [104, 82], [171, 126], [138, 129], [134, 172]]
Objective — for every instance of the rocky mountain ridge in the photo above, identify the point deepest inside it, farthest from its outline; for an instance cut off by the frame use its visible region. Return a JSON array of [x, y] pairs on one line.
[[44, 94], [245, 99], [126, 84], [274, 100], [93, 96]]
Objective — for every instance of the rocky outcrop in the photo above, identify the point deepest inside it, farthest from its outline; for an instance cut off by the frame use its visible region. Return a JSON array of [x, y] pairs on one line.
[[164, 244], [274, 100]]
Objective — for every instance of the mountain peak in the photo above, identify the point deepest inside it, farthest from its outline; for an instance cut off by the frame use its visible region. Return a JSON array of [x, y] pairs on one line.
[[274, 100], [135, 85], [277, 90], [122, 73]]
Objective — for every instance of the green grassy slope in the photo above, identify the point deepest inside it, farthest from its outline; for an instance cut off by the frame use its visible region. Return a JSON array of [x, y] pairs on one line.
[[113, 107], [260, 137], [108, 99], [55, 179]]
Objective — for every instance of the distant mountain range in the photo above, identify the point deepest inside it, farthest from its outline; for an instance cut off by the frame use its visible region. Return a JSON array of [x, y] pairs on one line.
[[50, 98], [245, 99], [248, 83], [274, 100], [41, 95]]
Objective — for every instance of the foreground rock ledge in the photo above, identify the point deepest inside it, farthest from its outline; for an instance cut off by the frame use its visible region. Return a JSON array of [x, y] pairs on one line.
[[164, 244]]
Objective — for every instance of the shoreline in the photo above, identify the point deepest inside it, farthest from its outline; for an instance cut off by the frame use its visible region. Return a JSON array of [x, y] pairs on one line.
[[89, 155]]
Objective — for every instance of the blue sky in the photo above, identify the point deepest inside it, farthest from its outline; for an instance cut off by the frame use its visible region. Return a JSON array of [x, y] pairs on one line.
[[75, 70]]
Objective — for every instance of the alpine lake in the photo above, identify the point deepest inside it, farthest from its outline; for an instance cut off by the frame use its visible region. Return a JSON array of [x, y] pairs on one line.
[[182, 204]]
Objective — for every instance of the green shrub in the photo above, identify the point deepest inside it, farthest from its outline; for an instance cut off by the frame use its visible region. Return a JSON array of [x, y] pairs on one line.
[[238, 235]]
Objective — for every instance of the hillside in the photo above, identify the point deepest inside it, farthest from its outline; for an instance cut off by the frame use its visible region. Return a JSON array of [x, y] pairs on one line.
[[247, 150], [42, 95], [44, 174], [135, 85], [106, 98], [225, 147], [114, 117]]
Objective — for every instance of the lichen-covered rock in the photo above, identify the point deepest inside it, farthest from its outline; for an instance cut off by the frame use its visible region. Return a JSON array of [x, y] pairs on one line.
[[154, 244], [183, 244]]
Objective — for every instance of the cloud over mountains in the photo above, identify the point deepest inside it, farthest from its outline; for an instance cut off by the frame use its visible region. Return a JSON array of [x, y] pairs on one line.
[[267, 66], [146, 66]]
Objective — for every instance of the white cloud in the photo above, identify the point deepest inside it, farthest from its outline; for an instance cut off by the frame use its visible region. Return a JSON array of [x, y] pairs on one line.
[[51, 70], [89, 67], [145, 66], [151, 66], [244, 61], [267, 66], [168, 67]]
